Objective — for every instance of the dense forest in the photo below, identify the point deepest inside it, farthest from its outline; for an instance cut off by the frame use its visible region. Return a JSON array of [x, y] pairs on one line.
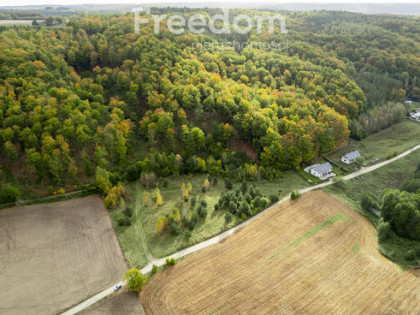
[[93, 101]]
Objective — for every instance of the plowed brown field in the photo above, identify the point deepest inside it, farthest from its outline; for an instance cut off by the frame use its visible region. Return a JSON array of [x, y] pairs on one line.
[[55, 255], [312, 255]]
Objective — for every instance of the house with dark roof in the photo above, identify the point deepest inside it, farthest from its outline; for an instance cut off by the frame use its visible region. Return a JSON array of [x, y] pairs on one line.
[[350, 157], [322, 171]]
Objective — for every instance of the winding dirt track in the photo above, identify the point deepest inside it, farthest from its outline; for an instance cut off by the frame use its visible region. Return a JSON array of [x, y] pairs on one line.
[[289, 261]]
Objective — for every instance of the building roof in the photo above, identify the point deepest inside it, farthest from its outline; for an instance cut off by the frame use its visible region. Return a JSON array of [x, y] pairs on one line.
[[352, 155], [322, 168]]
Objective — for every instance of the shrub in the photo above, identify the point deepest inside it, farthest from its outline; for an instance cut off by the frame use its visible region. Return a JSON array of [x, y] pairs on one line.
[[113, 196], [190, 220], [193, 201], [170, 261], [122, 220], [232, 206], [252, 192], [187, 234], [368, 202], [203, 189], [295, 195], [274, 198], [244, 187], [161, 224], [411, 185], [203, 203], [132, 173], [158, 198], [410, 255], [174, 228], [228, 217], [50, 190], [257, 202], [228, 184], [418, 251], [269, 173], [9, 194], [245, 208], [359, 162], [248, 198], [264, 203], [155, 269], [148, 179], [128, 212], [206, 185], [202, 212], [384, 230], [392, 155], [165, 183], [216, 207]]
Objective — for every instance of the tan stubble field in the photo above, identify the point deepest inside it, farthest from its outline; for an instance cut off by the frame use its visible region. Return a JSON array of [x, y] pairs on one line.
[[312, 255]]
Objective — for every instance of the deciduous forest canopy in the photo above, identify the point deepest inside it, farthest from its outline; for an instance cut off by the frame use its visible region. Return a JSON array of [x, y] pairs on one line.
[[94, 97]]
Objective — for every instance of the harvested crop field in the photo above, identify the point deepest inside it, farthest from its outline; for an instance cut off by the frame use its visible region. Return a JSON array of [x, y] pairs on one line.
[[312, 255], [54, 255]]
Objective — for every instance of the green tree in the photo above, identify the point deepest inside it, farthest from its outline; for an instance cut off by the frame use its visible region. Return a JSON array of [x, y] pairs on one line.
[[359, 161], [135, 279], [102, 181]]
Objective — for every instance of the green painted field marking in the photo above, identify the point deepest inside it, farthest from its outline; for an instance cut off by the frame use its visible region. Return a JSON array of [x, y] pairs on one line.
[[312, 232]]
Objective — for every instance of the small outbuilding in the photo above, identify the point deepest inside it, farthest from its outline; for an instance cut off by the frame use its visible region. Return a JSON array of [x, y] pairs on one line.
[[350, 157]]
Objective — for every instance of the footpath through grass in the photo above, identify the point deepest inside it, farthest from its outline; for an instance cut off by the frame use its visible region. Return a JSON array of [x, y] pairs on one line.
[[162, 244], [377, 182]]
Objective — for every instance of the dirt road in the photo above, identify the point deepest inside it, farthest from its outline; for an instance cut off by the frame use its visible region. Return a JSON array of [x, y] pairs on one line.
[[218, 238]]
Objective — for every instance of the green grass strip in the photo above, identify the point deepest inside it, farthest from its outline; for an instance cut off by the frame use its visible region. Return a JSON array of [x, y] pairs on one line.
[[400, 268], [312, 232], [216, 310]]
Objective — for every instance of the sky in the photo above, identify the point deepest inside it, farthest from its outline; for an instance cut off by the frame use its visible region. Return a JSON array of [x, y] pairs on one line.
[[69, 2]]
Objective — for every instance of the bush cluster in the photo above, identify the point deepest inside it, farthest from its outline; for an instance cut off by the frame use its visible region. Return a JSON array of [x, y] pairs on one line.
[[124, 219], [295, 195], [9, 193], [170, 261], [368, 202], [243, 201]]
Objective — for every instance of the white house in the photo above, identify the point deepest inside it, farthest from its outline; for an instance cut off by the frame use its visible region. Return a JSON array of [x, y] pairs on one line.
[[415, 116], [350, 157], [322, 171]]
